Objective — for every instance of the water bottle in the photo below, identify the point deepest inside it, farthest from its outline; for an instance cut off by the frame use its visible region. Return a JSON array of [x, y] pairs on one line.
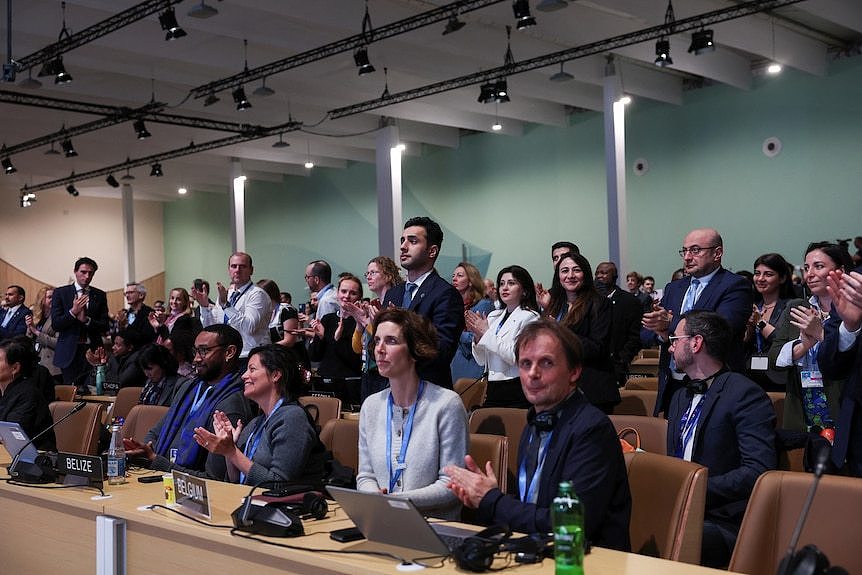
[[116, 454], [567, 515], [100, 379]]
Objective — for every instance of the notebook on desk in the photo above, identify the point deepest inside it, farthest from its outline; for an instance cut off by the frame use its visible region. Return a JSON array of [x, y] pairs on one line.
[[394, 525], [14, 438]]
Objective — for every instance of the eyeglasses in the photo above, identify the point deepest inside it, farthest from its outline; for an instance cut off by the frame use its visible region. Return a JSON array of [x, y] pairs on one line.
[[204, 351], [672, 338], [695, 250], [370, 273], [308, 277]]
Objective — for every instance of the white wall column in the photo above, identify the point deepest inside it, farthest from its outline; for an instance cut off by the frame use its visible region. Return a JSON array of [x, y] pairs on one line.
[[237, 207], [128, 234], [388, 162], [615, 169]]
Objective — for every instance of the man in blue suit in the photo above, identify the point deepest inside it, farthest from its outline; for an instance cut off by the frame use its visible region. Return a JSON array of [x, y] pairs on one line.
[[707, 286], [12, 319], [721, 420], [426, 293], [79, 314]]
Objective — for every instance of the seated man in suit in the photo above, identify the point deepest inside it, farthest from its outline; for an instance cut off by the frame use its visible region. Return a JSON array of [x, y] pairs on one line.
[[137, 317], [721, 420], [707, 286], [217, 387], [426, 293], [566, 439], [12, 319]]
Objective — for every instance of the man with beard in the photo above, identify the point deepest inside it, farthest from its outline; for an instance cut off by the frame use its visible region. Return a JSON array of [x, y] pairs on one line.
[[626, 325], [217, 387]]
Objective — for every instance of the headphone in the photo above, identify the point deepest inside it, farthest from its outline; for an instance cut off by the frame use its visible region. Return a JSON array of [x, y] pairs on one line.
[[811, 561], [476, 553], [544, 421], [313, 506]]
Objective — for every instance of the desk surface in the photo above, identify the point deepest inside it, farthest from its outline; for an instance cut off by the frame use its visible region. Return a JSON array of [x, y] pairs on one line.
[[98, 398]]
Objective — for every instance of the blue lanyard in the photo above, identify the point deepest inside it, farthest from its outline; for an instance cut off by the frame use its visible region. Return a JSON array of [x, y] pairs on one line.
[[687, 426], [200, 397], [254, 439], [236, 299], [529, 493], [757, 333], [506, 316], [408, 430]]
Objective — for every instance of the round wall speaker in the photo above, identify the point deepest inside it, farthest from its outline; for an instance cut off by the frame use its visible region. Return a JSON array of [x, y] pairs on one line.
[[771, 147], [640, 166]]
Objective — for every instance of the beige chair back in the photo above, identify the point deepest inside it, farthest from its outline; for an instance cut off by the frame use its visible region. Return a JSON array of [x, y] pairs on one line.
[[506, 421], [472, 392], [494, 448], [774, 508], [321, 408], [65, 392], [341, 437], [652, 431], [79, 433], [668, 498], [635, 402], [649, 383], [127, 398], [141, 419]]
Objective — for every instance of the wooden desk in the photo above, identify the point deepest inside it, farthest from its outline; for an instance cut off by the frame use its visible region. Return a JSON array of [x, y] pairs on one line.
[[57, 527], [104, 399]]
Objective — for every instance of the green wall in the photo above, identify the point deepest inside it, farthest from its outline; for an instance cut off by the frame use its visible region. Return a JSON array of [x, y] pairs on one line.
[[505, 199]]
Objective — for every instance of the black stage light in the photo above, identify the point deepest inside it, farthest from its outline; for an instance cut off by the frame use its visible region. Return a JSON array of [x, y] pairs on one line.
[[112, 181], [168, 20], [68, 148], [8, 168], [362, 61], [72, 190], [156, 171], [141, 130], [701, 42], [524, 19], [242, 102], [662, 53]]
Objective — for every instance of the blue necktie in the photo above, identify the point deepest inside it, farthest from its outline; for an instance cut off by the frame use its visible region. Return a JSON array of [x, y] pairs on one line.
[[691, 295], [7, 315], [409, 288], [233, 298]]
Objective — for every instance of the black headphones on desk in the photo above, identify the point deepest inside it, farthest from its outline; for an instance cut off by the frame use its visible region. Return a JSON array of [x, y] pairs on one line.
[[477, 552]]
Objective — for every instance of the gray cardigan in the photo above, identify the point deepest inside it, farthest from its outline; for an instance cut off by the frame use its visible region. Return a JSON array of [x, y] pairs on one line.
[[439, 438]]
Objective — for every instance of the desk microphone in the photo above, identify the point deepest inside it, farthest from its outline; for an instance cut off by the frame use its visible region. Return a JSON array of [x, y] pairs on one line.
[[40, 471]]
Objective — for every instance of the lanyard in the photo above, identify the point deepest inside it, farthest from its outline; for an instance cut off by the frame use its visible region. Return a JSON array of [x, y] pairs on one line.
[[506, 316], [233, 300], [200, 397], [408, 430], [529, 493], [687, 426], [254, 439], [757, 333]]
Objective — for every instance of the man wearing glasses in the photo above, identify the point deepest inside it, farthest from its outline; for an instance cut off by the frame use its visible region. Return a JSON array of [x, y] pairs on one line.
[[216, 386], [706, 286], [721, 420]]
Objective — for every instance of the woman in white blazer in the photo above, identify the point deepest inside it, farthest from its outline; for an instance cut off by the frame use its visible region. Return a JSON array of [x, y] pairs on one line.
[[494, 337]]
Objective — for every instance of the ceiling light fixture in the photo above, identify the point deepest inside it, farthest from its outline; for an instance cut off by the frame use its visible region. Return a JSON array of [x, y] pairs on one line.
[[168, 20], [141, 130], [496, 126], [182, 191], [156, 170], [662, 45], [501, 91], [72, 190], [551, 5], [202, 11], [68, 148], [308, 163], [55, 67], [281, 143], [562, 75], [453, 25], [128, 176], [625, 100], [486, 93], [360, 57], [239, 98], [52, 151], [701, 42], [523, 18], [30, 83], [27, 198], [263, 90], [774, 67], [8, 167], [211, 99], [112, 181], [385, 93]]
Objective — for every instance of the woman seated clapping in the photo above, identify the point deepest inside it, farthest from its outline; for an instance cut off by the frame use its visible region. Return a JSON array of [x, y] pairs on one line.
[[411, 431], [280, 445]]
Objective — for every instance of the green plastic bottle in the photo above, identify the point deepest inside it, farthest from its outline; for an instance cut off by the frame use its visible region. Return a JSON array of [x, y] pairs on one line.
[[567, 515]]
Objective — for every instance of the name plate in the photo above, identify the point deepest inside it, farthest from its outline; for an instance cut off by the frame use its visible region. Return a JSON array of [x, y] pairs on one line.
[[192, 493], [89, 466]]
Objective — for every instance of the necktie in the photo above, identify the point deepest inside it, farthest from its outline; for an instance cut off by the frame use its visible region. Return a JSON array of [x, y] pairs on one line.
[[233, 298], [7, 315], [691, 295], [409, 288], [531, 461]]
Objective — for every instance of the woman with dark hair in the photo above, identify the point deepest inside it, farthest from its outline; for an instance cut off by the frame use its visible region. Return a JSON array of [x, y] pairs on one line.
[[494, 336], [160, 367], [574, 302], [279, 445], [425, 425], [181, 344], [469, 283], [284, 324], [21, 401], [811, 400], [121, 365], [773, 287]]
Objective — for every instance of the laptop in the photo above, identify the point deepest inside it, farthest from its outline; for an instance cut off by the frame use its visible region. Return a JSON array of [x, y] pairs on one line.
[[14, 438], [394, 525]]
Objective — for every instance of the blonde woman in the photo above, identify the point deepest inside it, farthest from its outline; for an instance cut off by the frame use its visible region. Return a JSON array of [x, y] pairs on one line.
[[40, 329]]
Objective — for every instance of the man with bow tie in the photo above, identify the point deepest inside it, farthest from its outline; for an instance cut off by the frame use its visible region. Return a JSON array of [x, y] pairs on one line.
[[721, 420]]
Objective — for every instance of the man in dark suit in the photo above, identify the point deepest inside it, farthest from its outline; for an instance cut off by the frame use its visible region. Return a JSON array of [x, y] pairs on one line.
[[79, 314], [707, 286], [566, 439], [721, 420], [426, 293], [138, 315], [12, 319], [626, 312], [840, 356]]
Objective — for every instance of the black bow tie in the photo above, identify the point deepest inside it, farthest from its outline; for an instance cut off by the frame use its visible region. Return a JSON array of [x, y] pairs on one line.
[[696, 386]]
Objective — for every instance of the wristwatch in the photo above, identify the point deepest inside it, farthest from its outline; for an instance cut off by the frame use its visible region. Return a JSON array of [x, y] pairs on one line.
[[761, 324]]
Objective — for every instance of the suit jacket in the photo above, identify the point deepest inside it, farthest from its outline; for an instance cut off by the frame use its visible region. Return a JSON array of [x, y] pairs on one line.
[[728, 294], [734, 439], [585, 450], [141, 330], [496, 349], [16, 325], [441, 303], [626, 312], [69, 329]]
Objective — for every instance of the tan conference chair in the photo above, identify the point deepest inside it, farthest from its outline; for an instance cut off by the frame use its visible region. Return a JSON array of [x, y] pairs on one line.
[[79, 433], [321, 408], [126, 399], [506, 421], [472, 392], [141, 419], [341, 437], [652, 431], [636, 402], [65, 392]]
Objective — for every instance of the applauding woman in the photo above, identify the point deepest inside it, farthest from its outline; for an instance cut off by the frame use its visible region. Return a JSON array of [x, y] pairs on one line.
[[281, 444], [469, 283], [494, 337], [411, 431], [178, 318]]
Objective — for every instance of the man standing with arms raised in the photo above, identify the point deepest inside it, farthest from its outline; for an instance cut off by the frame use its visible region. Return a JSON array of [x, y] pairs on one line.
[[426, 293], [706, 286]]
